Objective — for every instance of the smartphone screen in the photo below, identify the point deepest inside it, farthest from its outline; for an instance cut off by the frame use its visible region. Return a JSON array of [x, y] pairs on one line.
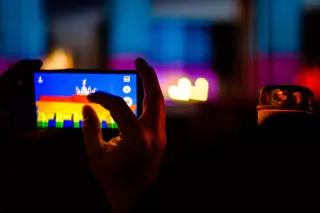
[[61, 95]]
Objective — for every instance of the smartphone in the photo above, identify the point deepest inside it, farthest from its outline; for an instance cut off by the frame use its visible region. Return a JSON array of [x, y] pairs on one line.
[[60, 95]]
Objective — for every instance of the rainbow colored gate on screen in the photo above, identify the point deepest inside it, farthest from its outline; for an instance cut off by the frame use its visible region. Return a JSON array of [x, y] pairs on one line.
[[61, 112]]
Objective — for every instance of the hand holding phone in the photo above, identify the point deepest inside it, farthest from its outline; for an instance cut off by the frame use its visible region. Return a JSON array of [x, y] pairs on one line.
[[127, 165]]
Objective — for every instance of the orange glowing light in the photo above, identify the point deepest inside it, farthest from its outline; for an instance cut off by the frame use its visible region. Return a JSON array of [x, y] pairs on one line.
[[58, 59]]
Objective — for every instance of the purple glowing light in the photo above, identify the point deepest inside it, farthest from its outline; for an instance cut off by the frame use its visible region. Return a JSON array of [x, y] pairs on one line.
[[5, 64], [279, 69]]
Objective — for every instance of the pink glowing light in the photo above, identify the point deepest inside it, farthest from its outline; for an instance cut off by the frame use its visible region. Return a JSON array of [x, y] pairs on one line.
[[279, 69], [5, 64]]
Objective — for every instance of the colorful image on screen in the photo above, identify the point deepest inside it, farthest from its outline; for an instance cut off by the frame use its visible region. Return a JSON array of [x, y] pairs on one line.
[[60, 97]]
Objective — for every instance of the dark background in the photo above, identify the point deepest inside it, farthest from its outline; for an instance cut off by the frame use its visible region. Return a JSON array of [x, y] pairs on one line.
[[217, 159]]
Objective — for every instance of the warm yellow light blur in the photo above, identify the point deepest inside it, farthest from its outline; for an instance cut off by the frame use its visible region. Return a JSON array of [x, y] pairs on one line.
[[58, 59], [184, 91], [200, 90]]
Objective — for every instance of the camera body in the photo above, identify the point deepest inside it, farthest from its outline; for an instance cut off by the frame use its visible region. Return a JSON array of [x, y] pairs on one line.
[[284, 102]]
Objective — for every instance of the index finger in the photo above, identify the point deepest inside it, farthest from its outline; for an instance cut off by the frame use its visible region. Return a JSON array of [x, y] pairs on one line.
[[119, 110], [153, 102]]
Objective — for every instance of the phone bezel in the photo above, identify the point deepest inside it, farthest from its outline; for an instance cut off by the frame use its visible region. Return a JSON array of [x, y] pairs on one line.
[[89, 71]]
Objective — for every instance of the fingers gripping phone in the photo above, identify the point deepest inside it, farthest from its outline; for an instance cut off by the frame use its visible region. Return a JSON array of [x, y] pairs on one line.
[[60, 95]]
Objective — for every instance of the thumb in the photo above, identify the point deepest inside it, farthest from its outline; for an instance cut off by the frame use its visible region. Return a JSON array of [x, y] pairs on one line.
[[91, 130]]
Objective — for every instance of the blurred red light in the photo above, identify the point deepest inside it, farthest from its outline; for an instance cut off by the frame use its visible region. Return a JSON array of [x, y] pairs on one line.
[[310, 77]]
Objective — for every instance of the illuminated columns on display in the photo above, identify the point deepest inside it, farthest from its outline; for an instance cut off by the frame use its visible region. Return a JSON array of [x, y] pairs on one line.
[[22, 29], [278, 40], [168, 41], [129, 26]]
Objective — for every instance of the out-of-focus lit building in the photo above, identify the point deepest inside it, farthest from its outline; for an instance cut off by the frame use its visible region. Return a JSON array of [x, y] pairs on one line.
[[237, 46]]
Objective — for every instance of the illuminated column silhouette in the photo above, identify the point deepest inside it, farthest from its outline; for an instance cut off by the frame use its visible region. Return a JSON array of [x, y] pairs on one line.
[[129, 26], [22, 29], [278, 40]]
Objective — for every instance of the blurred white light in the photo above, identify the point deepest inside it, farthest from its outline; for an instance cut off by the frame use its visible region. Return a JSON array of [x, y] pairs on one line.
[[181, 91]]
